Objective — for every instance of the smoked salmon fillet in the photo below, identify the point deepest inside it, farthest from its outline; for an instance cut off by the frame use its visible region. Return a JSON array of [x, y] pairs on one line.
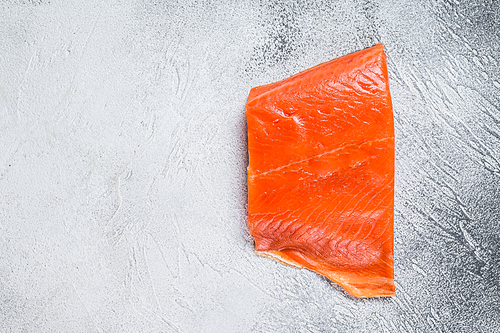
[[321, 172]]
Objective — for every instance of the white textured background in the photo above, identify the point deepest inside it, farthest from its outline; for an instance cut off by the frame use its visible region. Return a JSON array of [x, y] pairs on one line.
[[123, 165]]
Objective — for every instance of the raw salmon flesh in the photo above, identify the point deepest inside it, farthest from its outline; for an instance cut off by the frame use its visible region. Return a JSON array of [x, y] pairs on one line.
[[321, 172]]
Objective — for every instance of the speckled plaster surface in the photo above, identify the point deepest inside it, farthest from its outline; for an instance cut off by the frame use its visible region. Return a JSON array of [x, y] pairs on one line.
[[123, 165]]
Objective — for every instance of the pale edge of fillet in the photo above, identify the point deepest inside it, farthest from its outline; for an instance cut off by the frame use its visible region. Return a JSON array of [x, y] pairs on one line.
[[276, 255], [336, 278]]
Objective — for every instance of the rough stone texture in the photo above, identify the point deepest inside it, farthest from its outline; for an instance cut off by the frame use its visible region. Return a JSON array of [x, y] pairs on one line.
[[123, 165]]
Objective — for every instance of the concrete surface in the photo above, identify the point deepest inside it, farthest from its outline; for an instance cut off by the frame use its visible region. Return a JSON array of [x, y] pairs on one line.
[[123, 156]]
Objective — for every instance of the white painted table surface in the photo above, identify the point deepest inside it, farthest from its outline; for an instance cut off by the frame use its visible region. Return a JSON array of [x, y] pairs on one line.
[[123, 165]]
